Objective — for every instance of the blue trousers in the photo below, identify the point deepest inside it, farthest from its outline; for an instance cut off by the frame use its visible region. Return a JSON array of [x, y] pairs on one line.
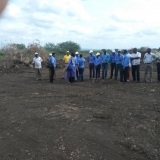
[[104, 70], [81, 71]]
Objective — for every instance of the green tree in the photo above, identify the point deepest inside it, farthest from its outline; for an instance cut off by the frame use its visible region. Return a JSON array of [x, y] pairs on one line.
[[20, 46], [50, 47], [67, 46]]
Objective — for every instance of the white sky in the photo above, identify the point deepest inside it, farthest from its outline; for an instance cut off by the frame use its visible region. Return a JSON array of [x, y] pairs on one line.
[[94, 24]]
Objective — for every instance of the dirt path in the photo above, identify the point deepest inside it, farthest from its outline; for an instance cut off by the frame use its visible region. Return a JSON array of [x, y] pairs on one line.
[[85, 121]]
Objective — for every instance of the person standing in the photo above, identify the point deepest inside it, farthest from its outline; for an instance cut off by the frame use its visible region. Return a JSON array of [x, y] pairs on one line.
[[105, 58], [158, 65], [97, 64], [148, 59], [49, 65], [119, 59], [81, 65], [76, 63], [52, 68], [125, 65], [113, 63], [37, 61], [91, 59], [135, 62], [71, 69], [54, 55], [66, 58]]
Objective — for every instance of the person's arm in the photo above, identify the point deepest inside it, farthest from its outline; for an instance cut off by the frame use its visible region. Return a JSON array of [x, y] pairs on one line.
[[144, 58], [157, 56]]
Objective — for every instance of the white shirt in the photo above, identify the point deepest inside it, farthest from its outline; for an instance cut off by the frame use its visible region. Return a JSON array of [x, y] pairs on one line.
[[158, 56], [136, 61], [37, 62], [149, 58]]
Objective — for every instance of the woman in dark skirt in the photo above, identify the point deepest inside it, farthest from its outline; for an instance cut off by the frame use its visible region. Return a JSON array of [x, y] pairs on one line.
[[71, 69]]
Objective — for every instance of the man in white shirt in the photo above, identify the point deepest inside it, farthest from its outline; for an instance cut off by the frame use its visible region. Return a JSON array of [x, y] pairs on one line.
[[148, 59], [135, 62], [37, 65], [158, 65]]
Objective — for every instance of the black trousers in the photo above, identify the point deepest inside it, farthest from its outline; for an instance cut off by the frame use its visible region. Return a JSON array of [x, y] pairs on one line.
[[77, 73], [124, 73], [158, 71], [113, 66], [52, 74], [98, 68], [72, 79], [91, 70], [136, 73]]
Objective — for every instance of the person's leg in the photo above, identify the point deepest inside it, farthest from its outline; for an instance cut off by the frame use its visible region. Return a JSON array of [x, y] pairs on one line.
[[145, 72], [52, 74], [133, 72], [112, 67], [99, 67], [96, 72], [77, 74], [116, 71], [121, 73], [90, 71], [128, 73], [102, 70], [70, 80], [93, 70], [49, 72], [138, 73], [82, 71], [125, 74], [36, 73], [151, 70], [158, 72], [105, 70]]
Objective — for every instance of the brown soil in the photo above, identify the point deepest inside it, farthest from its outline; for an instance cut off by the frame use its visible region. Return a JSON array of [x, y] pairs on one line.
[[90, 120]]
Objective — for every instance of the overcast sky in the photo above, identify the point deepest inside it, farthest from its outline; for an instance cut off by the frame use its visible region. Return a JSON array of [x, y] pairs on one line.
[[94, 24]]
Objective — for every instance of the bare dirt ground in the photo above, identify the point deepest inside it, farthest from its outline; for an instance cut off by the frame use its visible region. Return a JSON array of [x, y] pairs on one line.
[[84, 121]]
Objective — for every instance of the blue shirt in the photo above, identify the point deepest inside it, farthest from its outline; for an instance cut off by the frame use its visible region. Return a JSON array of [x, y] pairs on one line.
[[52, 60], [105, 58], [76, 59], [112, 58], [91, 58], [81, 62], [71, 63], [126, 60], [119, 59], [97, 61]]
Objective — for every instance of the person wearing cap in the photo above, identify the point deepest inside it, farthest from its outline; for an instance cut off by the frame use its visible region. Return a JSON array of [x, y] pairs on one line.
[[119, 59], [66, 58], [125, 65], [112, 63], [105, 58], [135, 62], [71, 69], [91, 59], [52, 68], [97, 64], [76, 63], [37, 61], [158, 65], [81, 65], [148, 59]]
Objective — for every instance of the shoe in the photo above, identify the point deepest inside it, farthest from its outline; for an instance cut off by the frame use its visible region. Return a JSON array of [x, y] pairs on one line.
[[151, 81], [127, 80], [144, 81]]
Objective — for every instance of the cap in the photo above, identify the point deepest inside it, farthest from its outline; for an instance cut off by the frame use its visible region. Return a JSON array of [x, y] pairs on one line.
[[113, 50], [67, 51], [36, 53], [76, 53], [97, 54], [90, 51], [50, 54]]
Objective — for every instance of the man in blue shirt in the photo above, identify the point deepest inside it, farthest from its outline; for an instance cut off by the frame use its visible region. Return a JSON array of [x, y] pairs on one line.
[[119, 59], [52, 68], [97, 64], [91, 59], [76, 63], [81, 65], [113, 63], [125, 65], [104, 59]]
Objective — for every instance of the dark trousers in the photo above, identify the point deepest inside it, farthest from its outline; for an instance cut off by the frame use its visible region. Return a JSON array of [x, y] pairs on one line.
[[136, 73], [124, 74], [51, 74], [81, 71], [98, 68], [158, 71], [104, 70], [113, 65], [91, 70], [77, 73], [118, 69], [71, 79]]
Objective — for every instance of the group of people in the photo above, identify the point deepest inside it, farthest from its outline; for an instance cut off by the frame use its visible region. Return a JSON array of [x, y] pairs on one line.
[[120, 62]]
